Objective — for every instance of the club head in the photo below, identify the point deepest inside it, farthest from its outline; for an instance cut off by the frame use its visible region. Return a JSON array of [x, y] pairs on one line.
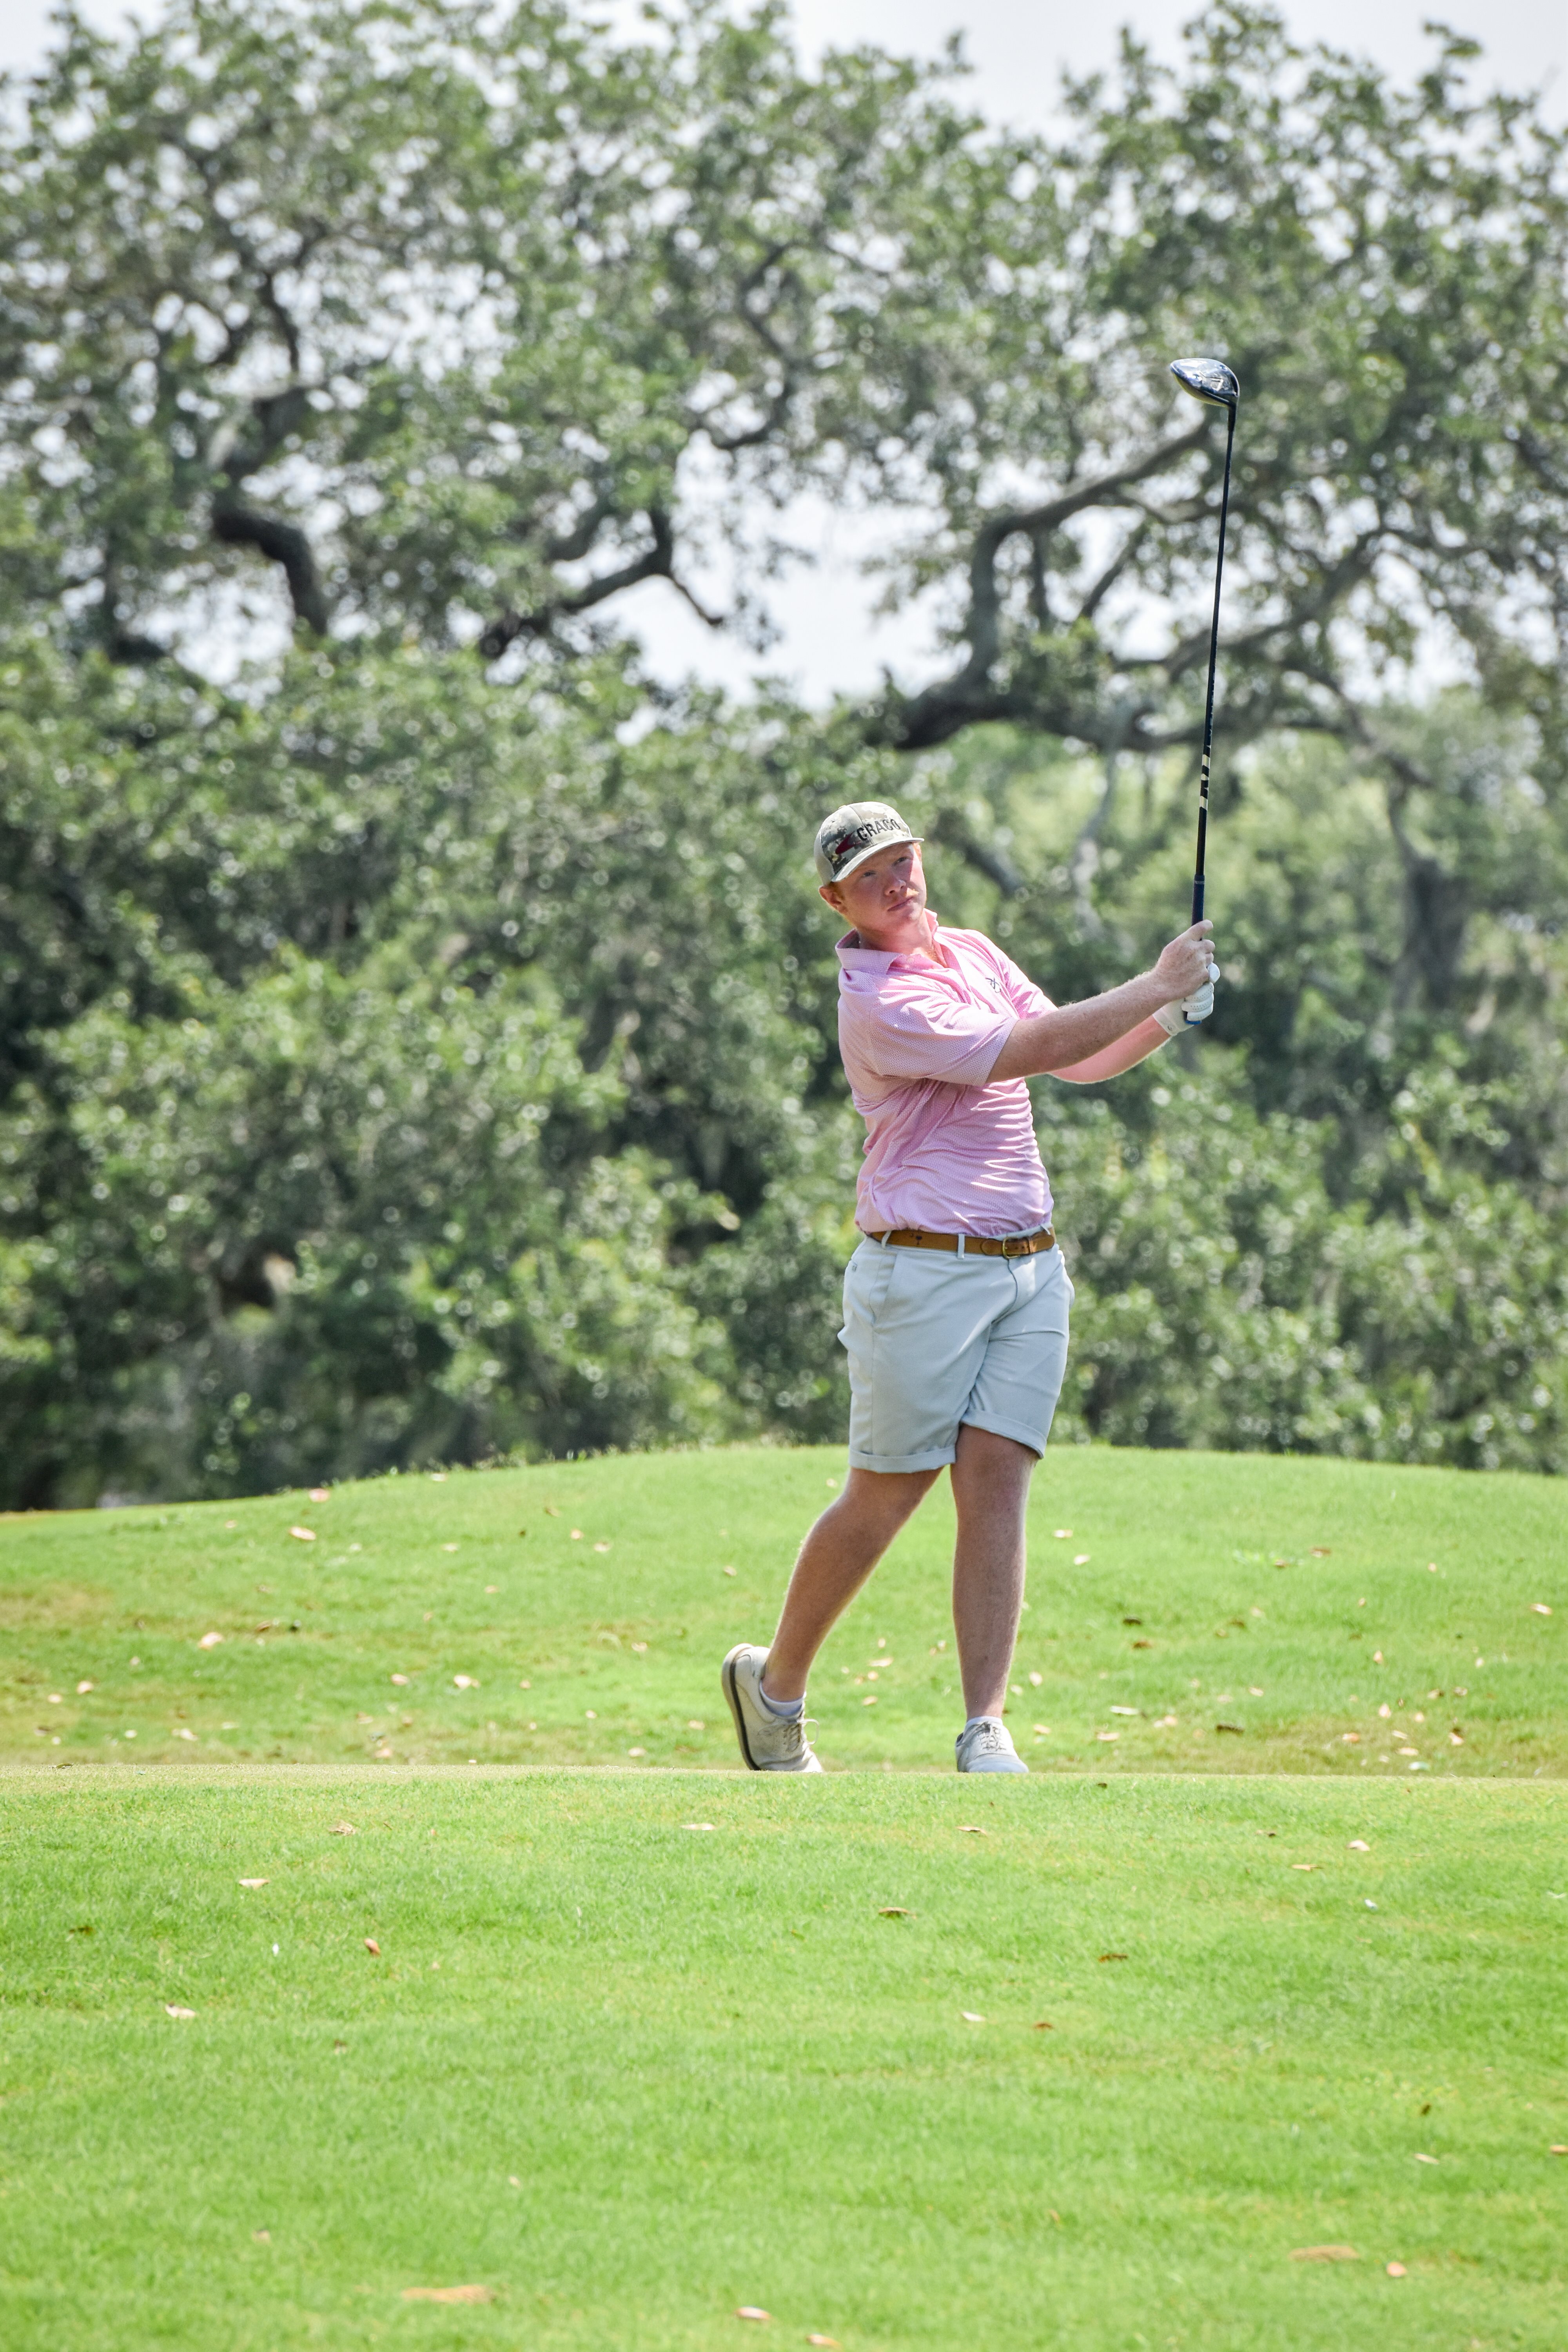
[[1208, 380]]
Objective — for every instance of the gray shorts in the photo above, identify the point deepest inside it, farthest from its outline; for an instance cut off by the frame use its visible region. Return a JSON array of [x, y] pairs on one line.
[[936, 1341]]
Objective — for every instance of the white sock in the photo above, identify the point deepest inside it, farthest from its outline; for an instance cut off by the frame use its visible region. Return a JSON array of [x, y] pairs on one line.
[[970, 1720], [790, 1709]]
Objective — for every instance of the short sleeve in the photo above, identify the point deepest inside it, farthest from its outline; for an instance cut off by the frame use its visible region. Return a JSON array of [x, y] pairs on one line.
[[923, 1033], [1020, 991]]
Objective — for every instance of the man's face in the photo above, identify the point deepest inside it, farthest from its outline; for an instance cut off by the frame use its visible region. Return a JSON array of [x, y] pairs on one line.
[[885, 899]]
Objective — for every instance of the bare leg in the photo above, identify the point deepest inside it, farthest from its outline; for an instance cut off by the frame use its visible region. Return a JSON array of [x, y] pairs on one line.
[[990, 1488], [835, 1559]]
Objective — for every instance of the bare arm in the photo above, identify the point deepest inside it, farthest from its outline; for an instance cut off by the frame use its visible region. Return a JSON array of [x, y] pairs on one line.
[[1070, 1035], [1125, 1054]]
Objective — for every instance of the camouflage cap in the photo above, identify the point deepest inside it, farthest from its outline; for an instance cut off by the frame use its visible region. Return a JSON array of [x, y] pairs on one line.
[[854, 833]]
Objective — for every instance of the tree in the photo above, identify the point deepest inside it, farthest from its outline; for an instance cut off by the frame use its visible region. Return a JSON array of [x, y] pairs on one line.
[[415, 1023], [468, 323]]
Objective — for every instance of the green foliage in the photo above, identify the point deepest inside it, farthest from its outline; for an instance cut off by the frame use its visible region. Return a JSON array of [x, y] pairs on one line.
[[416, 1023], [462, 322], [1225, 1298]]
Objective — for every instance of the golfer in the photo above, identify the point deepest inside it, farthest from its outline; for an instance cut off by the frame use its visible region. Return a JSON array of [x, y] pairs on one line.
[[955, 1301]]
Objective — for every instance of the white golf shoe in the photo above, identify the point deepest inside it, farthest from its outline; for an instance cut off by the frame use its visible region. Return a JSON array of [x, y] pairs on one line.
[[768, 1742], [986, 1746]]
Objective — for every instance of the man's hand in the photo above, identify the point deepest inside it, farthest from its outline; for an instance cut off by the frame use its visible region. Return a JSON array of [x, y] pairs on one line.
[[1185, 966]]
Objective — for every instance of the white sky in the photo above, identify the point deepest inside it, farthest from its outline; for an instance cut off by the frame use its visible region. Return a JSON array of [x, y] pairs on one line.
[[1017, 48]]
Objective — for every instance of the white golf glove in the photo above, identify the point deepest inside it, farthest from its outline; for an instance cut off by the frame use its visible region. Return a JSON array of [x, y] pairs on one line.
[[1173, 1018]]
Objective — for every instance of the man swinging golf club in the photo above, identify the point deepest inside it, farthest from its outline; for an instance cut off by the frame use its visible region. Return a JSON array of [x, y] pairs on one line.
[[955, 1301]]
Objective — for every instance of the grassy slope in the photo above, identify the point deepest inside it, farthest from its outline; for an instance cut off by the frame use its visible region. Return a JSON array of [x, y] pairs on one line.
[[660, 2071], [432, 1579]]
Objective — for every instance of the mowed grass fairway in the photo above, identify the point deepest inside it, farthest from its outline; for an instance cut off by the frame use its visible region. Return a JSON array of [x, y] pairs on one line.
[[1083, 2061], [627, 2073]]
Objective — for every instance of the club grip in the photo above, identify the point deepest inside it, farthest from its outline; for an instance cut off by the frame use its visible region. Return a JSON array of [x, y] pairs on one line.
[[1197, 898]]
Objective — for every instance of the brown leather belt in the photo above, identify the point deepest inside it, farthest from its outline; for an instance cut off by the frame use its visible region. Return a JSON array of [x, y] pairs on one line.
[[1008, 1245]]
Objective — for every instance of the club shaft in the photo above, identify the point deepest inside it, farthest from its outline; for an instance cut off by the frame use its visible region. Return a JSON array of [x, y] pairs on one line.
[[1208, 706]]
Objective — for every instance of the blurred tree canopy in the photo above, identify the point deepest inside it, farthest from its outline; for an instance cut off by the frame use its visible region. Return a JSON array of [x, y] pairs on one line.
[[416, 1022]]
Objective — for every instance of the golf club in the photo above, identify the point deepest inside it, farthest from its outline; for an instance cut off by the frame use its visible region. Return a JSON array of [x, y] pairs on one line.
[[1210, 380]]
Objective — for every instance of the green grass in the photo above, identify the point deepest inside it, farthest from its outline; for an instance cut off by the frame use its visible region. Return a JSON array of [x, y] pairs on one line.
[[627, 2074], [1264, 1590]]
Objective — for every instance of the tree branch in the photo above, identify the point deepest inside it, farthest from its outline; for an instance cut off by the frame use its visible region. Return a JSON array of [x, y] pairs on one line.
[[657, 562], [967, 695], [239, 524]]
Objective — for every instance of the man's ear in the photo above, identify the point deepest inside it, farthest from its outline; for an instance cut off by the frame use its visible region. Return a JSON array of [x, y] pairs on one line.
[[829, 893]]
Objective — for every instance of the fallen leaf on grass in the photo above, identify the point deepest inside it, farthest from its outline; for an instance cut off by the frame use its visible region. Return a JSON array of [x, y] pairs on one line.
[[752, 2310], [892, 1911], [1421, 2158], [697, 1825], [372, 1948], [971, 1828], [1540, 1608], [449, 2295], [82, 1689], [1044, 2025], [1395, 2270], [252, 1881], [971, 2017], [338, 2049], [1306, 1865], [1359, 1846], [304, 1535], [1325, 2254], [209, 1641], [832, 2340], [317, 1494], [1113, 1955], [1229, 1727], [463, 1682], [1319, 1551], [173, 2009], [1350, 1739], [1107, 1735], [343, 1829], [1080, 1560], [1558, 2148]]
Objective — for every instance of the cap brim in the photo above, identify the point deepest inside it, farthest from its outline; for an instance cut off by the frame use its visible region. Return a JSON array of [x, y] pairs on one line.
[[896, 842]]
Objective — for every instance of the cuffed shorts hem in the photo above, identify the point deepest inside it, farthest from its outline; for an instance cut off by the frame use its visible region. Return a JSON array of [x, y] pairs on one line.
[[935, 1458], [1016, 1430]]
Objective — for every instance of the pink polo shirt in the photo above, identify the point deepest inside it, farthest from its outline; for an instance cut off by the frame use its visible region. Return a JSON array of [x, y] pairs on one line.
[[944, 1150]]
